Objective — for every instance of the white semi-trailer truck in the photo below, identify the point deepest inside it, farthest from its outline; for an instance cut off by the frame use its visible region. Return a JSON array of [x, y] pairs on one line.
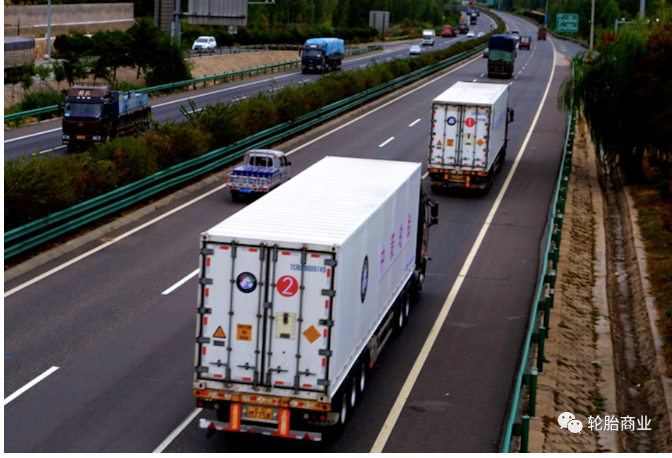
[[300, 291], [470, 124]]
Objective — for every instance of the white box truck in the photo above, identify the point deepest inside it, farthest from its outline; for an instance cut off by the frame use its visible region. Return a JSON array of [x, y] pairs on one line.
[[468, 139], [428, 36], [299, 292]]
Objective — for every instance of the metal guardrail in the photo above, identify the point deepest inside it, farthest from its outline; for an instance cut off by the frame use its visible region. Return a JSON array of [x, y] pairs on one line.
[[519, 425], [397, 38], [36, 112], [193, 82], [32, 234]]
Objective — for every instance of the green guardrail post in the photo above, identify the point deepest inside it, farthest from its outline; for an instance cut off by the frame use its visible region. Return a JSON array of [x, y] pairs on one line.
[[39, 118], [550, 279], [543, 334], [532, 383], [547, 304], [525, 434]]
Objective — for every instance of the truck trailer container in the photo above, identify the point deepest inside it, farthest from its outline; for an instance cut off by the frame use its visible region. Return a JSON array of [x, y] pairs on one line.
[[469, 135], [300, 291], [502, 55]]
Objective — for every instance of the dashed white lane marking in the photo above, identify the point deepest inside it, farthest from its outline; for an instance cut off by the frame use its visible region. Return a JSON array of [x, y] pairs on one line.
[[414, 122], [30, 384], [386, 142], [180, 283]]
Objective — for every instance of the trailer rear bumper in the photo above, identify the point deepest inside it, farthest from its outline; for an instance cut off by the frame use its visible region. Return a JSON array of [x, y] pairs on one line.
[[264, 430], [465, 179]]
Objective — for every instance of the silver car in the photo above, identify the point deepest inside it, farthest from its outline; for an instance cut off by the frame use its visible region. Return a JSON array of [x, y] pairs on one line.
[[415, 50]]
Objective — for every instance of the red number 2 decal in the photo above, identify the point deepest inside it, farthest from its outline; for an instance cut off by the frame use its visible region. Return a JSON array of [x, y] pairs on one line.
[[287, 286]]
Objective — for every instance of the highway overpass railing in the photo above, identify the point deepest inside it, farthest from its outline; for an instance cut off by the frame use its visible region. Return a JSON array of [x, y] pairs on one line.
[[224, 77], [518, 424], [43, 230]]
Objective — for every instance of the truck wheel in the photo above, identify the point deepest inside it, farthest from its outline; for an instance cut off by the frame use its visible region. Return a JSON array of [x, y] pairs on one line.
[[235, 196], [342, 407], [353, 397], [398, 320], [362, 367], [406, 304]]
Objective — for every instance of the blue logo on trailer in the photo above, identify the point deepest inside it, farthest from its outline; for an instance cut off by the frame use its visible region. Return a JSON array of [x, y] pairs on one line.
[[246, 282], [451, 121], [365, 277]]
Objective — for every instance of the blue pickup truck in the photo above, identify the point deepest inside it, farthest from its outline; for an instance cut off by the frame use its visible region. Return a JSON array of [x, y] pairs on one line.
[[262, 171]]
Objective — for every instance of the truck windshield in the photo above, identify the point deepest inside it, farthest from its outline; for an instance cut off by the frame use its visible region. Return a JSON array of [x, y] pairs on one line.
[[312, 53], [261, 161], [426, 36], [82, 110], [498, 54]]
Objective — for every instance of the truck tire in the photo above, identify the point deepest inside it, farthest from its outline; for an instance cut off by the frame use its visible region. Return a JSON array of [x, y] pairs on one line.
[[406, 304], [353, 392], [342, 407], [398, 321], [362, 367]]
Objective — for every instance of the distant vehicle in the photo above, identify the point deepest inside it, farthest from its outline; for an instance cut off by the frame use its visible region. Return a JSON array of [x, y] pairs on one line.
[[262, 171], [473, 19], [415, 50], [480, 34], [462, 117], [525, 42], [97, 114], [463, 27], [502, 56], [322, 55], [470, 35], [515, 32], [541, 34], [428, 36], [486, 52], [207, 44], [448, 31]]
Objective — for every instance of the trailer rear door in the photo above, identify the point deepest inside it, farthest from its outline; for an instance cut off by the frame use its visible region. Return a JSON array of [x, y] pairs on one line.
[[460, 135], [265, 315]]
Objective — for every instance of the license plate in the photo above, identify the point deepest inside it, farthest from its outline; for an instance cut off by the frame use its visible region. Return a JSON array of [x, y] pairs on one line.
[[260, 413], [245, 190], [80, 137], [310, 68], [457, 177]]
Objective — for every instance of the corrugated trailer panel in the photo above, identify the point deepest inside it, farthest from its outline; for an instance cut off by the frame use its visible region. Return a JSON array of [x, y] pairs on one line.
[[467, 126], [269, 280]]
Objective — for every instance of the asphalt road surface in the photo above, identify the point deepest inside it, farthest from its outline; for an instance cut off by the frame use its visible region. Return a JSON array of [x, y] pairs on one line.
[[124, 352], [46, 137]]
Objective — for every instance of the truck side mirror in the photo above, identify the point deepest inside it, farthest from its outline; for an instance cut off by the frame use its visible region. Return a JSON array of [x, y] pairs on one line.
[[300, 51], [433, 211], [289, 163], [61, 106], [510, 115]]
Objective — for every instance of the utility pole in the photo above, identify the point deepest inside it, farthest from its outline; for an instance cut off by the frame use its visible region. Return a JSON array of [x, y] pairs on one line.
[[49, 30], [546, 15], [592, 24], [642, 8]]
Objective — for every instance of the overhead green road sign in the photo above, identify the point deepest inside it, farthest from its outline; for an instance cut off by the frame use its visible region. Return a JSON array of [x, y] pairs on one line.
[[491, 2], [567, 23]]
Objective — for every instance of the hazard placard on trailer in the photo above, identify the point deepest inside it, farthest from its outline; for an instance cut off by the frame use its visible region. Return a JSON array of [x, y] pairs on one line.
[[219, 333]]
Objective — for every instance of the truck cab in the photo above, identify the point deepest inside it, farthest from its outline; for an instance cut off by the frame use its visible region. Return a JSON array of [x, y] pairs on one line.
[[463, 28], [85, 111], [262, 171], [322, 55], [428, 36]]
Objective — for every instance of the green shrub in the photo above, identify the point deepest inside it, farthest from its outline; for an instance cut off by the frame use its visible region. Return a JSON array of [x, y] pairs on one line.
[[38, 99]]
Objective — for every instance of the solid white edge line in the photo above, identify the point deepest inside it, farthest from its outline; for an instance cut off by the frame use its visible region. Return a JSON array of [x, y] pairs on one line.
[[32, 135], [414, 122], [176, 432], [30, 384], [413, 375], [386, 142], [181, 282], [115, 240]]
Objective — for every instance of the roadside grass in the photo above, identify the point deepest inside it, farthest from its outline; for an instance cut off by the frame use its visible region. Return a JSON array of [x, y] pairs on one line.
[[658, 242]]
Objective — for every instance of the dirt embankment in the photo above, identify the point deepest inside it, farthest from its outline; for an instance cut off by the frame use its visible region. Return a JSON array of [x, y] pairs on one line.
[[201, 66]]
